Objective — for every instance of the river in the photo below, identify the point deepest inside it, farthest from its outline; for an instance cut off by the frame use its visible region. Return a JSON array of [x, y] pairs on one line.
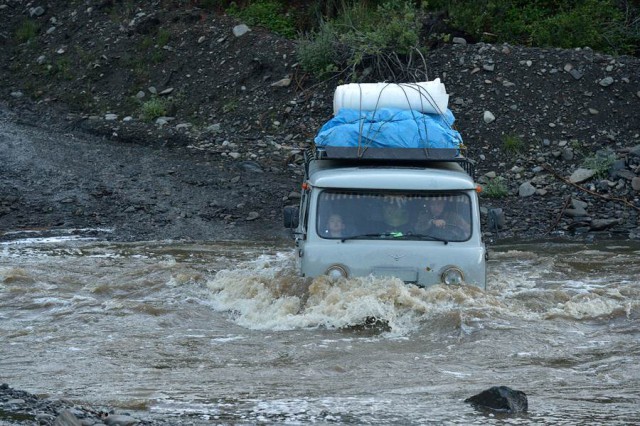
[[226, 333]]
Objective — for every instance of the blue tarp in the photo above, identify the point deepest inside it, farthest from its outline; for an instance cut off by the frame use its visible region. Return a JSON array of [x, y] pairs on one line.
[[389, 128]]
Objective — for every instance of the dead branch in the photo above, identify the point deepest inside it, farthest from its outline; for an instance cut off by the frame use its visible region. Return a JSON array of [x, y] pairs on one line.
[[624, 201]]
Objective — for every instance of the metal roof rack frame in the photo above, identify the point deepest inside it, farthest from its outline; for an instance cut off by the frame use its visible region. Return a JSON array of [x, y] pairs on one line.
[[399, 156]]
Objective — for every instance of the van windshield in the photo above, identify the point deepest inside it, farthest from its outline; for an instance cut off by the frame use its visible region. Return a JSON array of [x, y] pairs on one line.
[[384, 215]]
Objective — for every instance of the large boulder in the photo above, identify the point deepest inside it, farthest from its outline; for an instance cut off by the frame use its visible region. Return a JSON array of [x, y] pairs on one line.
[[500, 398]]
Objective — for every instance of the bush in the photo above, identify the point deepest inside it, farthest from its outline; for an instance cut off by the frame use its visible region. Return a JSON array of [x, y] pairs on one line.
[[601, 162], [607, 25], [495, 188], [363, 41], [154, 108], [270, 14], [512, 144], [318, 53], [26, 31]]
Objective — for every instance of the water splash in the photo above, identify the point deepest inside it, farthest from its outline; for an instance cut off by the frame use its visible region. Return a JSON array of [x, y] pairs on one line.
[[267, 294]]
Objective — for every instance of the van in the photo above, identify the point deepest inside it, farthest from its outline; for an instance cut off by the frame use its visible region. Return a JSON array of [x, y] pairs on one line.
[[412, 214]]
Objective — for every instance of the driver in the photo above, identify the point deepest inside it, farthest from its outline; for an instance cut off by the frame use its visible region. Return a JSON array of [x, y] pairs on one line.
[[440, 217]]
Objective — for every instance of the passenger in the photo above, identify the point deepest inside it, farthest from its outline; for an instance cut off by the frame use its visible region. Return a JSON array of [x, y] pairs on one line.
[[335, 226], [441, 217], [395, 216]]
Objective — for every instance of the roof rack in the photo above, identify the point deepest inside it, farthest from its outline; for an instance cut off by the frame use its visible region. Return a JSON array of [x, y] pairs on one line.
[[369, 155]]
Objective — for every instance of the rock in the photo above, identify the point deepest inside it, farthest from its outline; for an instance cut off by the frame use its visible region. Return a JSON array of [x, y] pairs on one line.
[[252, 216], [110, 117], [602, 224], [635, 183], [488, 117], [36, 11], [496, 219], [581, 175], [240, 30], [577, 212], [500, 398], [593, 111], [66, 418], [250, 166], [526, 189], [285, 82], [605, 82], [567, 154], [489, 67], [577, 75], [166, 91], [120, 420], [578, 204], [459, 40]]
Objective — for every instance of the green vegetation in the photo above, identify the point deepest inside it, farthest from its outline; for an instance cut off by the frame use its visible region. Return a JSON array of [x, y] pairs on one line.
[[61, 68], [163, 37], [495, 188], [230, 106], [26, 31], [607, 25], [382, 43], [270, 14], [601, 162], [512, 144], [154, 108]]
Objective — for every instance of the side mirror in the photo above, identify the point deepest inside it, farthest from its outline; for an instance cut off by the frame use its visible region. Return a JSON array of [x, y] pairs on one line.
[[291, 216]]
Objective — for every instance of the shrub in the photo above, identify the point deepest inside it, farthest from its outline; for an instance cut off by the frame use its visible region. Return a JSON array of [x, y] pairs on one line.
[[162, 38], [362, 41], [26, 31], [318, 53], [601, 162], [495, 188], [154, 108], [608, 25], [512, 144], [270, 14]]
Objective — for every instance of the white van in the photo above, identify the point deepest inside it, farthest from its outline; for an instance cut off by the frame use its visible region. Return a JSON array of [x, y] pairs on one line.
[[405, 213]]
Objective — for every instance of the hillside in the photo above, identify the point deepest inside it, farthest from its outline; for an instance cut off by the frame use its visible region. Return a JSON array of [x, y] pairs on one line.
[[187, 80]]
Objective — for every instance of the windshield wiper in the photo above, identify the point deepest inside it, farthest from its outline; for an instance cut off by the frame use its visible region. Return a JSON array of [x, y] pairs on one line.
[[402, 235], [427, 237], [374, 235]]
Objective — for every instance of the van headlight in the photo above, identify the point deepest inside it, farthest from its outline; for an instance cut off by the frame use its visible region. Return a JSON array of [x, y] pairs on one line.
[[337, 271], [452, 275]]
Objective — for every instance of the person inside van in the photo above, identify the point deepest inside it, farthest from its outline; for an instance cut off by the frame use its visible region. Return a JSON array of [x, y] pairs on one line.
[[441, 218], [335, 226], [396, 216]]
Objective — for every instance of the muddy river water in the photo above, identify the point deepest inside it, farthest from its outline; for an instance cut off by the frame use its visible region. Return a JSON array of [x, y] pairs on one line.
[[226, 333]]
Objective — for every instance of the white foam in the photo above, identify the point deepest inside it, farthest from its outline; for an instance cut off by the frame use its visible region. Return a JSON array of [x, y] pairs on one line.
[[267, 295]]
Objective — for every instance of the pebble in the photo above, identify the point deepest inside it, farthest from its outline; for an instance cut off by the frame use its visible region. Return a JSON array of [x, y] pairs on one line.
[[605, 82], [488, 117], [240, 30], [581, 175], [526, 189]]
